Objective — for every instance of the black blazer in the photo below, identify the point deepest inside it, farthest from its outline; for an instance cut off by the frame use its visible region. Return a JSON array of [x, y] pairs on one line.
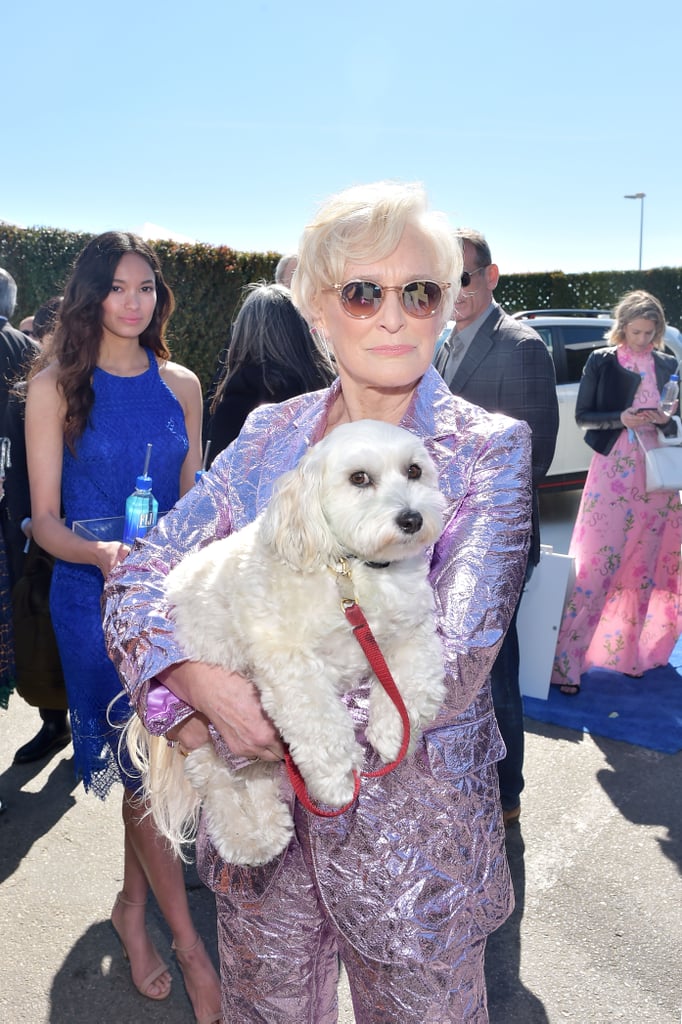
[[17, 352], [243, 392], [606, 390]]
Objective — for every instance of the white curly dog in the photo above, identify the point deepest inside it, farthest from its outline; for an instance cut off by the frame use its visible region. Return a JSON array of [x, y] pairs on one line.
[[265, 602]]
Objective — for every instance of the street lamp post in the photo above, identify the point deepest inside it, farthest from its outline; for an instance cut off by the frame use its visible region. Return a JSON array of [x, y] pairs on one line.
[[640, 196]]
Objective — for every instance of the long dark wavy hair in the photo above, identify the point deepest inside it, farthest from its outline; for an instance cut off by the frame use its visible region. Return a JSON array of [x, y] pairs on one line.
[[77, 337], [271, 333]]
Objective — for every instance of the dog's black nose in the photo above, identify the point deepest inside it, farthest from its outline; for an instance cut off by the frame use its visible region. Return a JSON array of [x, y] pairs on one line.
[[409, 521]]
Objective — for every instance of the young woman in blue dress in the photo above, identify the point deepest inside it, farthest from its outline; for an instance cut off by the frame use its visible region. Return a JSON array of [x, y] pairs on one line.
[[104, 391]]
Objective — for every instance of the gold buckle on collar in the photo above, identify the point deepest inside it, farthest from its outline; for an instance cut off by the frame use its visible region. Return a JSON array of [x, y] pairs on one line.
[[344, 582]]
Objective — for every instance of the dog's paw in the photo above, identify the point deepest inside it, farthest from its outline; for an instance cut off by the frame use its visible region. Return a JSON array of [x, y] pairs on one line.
[[202, 767], [335, 791], [423, 698], [328, 772], [246, 821], [252, 848], [386, 735]]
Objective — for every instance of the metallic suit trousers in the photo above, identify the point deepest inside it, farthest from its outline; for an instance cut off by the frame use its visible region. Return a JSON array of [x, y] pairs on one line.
[[280, 955]]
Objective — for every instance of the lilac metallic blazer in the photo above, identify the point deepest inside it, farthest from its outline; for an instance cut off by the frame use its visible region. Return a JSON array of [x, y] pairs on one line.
[[427, 839]]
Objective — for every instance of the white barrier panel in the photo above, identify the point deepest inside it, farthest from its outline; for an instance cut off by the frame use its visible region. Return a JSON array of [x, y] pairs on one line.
[[539, 619]]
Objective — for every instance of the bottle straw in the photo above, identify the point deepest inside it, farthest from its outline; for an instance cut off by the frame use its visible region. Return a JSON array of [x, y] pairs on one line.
[[145, 471], [206, 451]]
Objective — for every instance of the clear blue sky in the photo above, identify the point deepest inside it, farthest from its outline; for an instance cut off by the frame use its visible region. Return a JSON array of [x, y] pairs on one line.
[[228, 122]]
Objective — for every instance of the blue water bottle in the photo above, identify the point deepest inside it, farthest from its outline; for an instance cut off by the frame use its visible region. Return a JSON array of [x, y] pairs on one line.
[[142, 508]]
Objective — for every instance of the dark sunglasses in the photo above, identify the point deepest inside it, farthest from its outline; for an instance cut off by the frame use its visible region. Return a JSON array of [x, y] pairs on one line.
[[466, 275], [362, 299]]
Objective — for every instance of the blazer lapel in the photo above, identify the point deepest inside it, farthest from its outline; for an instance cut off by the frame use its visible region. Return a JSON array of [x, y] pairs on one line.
[[477, 351]]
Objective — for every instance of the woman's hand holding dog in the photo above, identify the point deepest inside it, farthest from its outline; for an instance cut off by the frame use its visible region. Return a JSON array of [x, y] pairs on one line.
[[190, 734], [231, 703]]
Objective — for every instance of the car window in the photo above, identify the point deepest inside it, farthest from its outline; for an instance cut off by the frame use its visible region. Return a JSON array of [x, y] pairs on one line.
[[546, 335], [579, 341]]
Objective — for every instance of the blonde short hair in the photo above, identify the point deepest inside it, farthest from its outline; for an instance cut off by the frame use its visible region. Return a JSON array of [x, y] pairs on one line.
[[637, 305], [364, 224]]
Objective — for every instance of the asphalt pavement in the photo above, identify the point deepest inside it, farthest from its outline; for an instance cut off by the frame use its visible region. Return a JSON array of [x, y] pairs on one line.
[[596, 860]]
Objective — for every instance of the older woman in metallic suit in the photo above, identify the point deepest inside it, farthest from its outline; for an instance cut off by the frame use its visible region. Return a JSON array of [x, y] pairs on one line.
[[405, 886]]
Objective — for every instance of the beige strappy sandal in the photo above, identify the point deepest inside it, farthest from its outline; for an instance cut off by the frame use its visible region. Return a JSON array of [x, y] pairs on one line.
[[144, 987], [213, 1018]]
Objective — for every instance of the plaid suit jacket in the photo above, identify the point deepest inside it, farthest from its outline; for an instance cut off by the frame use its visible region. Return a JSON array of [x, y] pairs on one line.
[[508, 368]]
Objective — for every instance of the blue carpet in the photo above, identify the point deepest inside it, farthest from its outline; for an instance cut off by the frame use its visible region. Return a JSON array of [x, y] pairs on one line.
[[646, 712]]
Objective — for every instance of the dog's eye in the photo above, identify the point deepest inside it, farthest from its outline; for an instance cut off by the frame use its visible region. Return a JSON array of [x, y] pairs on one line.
[[414, 471], [360, 479]]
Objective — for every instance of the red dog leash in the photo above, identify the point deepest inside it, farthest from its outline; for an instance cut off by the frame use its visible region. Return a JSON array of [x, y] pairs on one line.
[[364, 636]]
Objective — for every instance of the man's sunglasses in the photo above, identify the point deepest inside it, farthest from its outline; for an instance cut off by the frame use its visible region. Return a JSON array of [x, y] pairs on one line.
[[363, 299], [467, 275]]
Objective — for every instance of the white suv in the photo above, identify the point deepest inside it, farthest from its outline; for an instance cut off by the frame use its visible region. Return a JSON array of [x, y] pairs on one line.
[[570, 335]]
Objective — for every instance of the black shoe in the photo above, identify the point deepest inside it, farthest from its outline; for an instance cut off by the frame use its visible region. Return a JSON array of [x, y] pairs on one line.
[[50, 737]]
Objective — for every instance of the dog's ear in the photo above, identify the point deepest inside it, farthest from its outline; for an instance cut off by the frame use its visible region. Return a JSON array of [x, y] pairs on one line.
[[293, 523]]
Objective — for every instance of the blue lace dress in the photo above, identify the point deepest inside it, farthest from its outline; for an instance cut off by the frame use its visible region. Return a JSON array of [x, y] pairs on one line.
[[128, 413]]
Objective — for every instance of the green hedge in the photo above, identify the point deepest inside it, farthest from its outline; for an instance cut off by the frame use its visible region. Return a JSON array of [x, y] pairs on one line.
[[208, 284], [598, 290]]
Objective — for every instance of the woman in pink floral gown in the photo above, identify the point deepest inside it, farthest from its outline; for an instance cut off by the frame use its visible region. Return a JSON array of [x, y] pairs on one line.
[[625, 612]]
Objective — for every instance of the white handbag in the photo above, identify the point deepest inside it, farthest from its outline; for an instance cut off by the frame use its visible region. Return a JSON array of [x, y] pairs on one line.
[[674, 440], [664, 469], [664, 463]]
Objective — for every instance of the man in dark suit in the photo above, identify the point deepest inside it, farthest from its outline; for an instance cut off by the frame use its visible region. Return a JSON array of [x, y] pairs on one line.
[[17, 351], [501, 364]]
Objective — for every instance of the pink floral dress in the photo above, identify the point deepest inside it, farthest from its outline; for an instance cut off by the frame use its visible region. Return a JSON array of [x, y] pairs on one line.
[[625, 612]]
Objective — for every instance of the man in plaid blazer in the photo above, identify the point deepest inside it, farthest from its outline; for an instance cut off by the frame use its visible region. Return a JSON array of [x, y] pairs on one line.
[[503, 365]]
